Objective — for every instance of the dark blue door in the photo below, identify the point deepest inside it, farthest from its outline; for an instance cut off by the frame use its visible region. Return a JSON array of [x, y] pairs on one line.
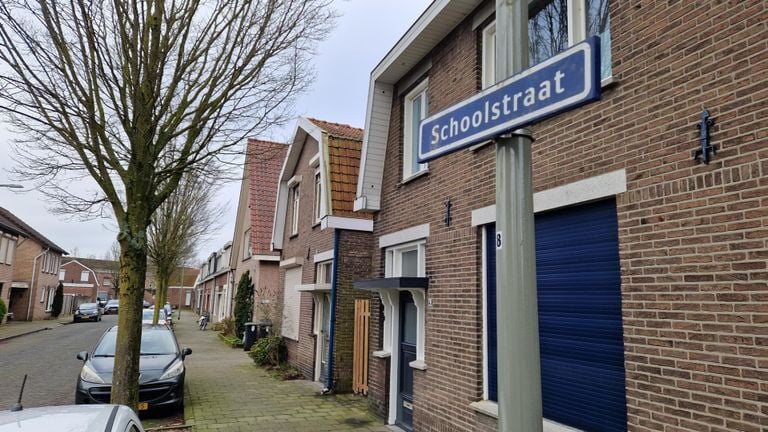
[[407, 355], [580, 332]]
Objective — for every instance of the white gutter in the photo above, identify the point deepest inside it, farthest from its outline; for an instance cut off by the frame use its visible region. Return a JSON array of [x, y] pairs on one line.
[[32, 284]]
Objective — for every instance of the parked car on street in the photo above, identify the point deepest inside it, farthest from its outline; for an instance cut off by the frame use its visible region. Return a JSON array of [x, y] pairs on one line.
[[161, 368], [111, 307], [71, 418], [148, 314], [87, 312]]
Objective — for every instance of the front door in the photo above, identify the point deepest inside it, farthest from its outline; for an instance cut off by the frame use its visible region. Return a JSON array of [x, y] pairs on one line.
[[325, 337], [407, 355]]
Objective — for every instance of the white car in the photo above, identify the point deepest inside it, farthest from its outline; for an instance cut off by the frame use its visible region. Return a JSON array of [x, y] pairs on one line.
[[149, 314], [71, 418]]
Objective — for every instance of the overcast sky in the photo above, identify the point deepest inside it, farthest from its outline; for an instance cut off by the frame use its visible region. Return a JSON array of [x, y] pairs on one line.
[[366, 30]]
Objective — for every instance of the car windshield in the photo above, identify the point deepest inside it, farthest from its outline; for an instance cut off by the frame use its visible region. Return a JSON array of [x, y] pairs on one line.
[[87, 306], [112, 302], [153, 342], [149, 314]]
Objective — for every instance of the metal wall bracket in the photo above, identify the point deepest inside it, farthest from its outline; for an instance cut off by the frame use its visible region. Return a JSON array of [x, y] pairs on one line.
[[448, 217], [705, 147]]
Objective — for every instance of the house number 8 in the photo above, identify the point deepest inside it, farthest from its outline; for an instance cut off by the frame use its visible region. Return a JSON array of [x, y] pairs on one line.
[[498, 240]]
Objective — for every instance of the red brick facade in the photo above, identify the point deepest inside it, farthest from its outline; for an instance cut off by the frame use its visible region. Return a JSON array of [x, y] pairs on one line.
[[692, 237]]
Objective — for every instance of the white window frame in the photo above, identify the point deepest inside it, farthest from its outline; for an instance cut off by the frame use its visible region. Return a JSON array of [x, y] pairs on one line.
[[51, 294], [409, 148], [295, 200], [394, 254], [489, 55], [577, 32], [323, 270], [84, 276], [318, 201], [62, 274], [247, 249], [11, 251]]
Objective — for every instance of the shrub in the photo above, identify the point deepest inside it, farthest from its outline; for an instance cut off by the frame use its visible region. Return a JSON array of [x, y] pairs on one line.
[[269, 351], [243, 304], [3, 310], [58, 301], [225, 327]]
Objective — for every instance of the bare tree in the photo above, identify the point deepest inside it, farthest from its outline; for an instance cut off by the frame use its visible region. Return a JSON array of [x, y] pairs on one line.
[[129, 95], [180, 223], [112, 256]]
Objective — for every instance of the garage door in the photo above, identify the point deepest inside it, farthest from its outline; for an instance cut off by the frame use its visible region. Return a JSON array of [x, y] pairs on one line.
[[582, 351]]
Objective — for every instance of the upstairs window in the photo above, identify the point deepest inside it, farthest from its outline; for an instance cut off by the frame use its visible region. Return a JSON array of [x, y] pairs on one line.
[[295, 210], [415, 110], [62, 274], [553, 27], [318, 198], [84, 276], [247, 248], [324, 273]]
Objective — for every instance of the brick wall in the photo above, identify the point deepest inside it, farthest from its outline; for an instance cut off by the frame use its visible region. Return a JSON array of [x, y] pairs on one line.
[[354, 264], [692, 237]]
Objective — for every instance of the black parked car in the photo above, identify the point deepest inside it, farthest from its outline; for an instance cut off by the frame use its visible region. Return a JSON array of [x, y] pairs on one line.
[[161, 368], [111, 307], [88, 312]]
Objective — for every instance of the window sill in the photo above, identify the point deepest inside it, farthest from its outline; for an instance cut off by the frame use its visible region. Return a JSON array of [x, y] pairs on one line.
[[293, 236], [316, 224], [381, 354], [418, 364], [413, 177], [491, 409]]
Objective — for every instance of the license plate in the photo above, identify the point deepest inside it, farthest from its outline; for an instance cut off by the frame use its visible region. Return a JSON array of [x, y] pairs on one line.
[[143, 406]]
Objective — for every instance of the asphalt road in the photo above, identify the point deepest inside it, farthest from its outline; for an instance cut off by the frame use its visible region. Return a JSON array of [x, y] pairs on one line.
[[48, 358]]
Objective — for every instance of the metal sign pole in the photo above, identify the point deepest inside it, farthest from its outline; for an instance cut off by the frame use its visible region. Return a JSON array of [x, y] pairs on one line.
[[519, 368]]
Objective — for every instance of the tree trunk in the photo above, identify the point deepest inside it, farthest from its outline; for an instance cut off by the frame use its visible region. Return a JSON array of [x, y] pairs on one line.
[[160, 298], [133, 269]]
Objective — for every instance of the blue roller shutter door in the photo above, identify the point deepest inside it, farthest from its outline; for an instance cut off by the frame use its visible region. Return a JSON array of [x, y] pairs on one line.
[[582, 351]]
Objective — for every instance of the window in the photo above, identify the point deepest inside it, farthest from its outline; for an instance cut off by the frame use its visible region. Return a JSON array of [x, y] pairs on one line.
[[84, 276], [489, 55], [62, 274], [406, 260], [318, 197], [324, 272], [295, 210], [415, 110], [552, 27], [247, 248], [3, 249], [11, 251], [51, 295]]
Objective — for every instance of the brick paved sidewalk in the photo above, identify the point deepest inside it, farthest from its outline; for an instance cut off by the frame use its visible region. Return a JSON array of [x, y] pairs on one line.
[[225, 391], [13, 329]]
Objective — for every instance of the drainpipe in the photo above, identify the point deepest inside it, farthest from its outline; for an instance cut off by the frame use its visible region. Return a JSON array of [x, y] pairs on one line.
[[332, 330], [32, 284]]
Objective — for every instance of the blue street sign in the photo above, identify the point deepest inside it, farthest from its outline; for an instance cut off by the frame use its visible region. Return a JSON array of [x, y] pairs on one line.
[[556, 85]]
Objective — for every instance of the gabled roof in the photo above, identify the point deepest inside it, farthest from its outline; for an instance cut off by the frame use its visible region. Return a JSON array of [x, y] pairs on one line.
[[264, 160], [339, 160], [97, 265], [440, 18], [9, 219]]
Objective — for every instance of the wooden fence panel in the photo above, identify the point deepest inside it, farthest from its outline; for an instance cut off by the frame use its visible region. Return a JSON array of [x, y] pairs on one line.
[[360, 358]]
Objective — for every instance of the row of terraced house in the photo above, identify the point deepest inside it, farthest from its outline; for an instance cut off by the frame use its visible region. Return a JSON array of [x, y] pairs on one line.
[[380, 271]]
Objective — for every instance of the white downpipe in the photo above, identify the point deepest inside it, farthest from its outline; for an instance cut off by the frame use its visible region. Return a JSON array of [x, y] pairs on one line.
[[32, 284]]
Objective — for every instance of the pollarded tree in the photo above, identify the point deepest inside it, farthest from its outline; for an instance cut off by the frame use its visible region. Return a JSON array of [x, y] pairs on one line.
[[127, 96]]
